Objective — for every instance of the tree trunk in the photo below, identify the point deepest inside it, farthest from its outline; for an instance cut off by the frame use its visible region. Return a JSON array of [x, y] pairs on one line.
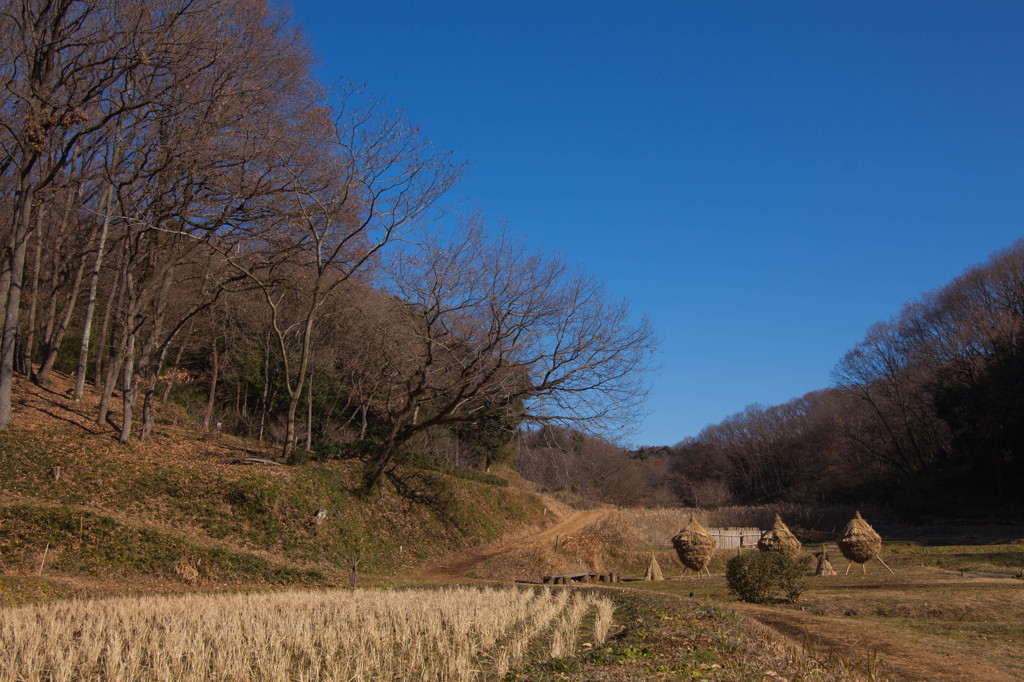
[[51, 309], [103, 345], [170, 381], [377, 467], [309, 414], [113, 367], [147, 403], [289, 429], [16, 256], [147, 408], [266, 388], [36, 265], [128, 387], [57, 337], [211, 397]]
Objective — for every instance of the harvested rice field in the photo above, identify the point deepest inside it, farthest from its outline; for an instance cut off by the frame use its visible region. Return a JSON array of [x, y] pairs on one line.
[[446, 634]]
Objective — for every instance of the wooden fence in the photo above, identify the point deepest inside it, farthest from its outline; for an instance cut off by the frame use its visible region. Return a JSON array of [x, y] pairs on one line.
[[735, 538]]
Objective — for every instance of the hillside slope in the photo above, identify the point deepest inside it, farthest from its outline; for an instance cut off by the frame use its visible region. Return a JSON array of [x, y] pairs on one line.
[[182, 509]]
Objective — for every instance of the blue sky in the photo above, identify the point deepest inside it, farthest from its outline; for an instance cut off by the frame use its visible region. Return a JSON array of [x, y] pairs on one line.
[[762, 180]]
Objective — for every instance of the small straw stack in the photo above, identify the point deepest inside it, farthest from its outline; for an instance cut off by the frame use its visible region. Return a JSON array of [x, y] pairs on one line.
[[695, 546], [653, 570], [778, 538], [824, 566]]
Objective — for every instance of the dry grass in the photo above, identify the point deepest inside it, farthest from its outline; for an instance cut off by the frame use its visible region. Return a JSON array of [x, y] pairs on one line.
[[456, 634]]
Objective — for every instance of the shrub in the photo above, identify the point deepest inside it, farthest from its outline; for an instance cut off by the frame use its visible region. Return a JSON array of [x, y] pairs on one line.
[[299, 455], [422, 460], [760, 577]]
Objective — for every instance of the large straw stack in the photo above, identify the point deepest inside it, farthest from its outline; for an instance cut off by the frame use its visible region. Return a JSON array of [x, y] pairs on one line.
[[778, 538], [653, 570], [694, 545], [824, 566], [859, 541]]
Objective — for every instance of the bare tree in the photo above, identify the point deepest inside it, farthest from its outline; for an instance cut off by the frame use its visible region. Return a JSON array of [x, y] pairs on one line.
[[491, 328], [381, 178]]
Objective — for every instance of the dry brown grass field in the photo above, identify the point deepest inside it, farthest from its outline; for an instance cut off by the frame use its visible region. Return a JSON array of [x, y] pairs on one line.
[[449, 634]]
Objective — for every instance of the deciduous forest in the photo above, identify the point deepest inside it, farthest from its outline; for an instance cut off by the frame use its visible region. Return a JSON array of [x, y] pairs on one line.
[[924, 416], [189, 216]]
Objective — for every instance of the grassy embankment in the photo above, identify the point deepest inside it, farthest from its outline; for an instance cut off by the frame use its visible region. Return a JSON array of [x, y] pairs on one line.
[[179, 510]]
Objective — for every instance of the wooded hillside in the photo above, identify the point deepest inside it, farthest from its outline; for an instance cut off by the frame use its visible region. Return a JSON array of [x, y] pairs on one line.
[[924, 414], [188, 215]]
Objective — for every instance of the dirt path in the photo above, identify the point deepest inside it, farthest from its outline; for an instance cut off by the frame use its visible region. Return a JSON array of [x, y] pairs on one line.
[[454, 568], [858, 642]]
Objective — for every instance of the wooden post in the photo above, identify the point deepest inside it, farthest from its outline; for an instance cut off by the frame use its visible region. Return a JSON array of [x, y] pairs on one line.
[[43, 562], [353, 573]]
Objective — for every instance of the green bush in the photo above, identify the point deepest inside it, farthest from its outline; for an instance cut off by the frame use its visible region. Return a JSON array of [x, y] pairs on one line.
[[299, 455], [364, 449], [761, 577]]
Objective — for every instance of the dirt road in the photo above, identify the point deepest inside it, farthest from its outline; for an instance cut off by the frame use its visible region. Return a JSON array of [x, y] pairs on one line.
[[454, 568]]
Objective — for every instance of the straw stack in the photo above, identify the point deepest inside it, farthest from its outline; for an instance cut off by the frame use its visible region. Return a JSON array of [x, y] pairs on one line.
[[824, 565], [694, 545], [653, 570], [859, 541], [778, 538]]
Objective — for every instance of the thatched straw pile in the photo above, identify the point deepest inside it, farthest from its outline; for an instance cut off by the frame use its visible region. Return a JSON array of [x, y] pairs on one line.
[[778, 538], [824, 566], [653, 570], [859, 541], [694, 545]]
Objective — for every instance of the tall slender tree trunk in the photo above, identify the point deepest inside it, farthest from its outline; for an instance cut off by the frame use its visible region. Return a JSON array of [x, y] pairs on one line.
[[153, 354], [105, 343], [266, 388], [57, 337], [170, 381], [110, 379], [12, 297], [309, 414], [148, 410], [51, 309], [295, 394], [128, 386], [113, 367], [37, 262], [107, 204], [212, 395]]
